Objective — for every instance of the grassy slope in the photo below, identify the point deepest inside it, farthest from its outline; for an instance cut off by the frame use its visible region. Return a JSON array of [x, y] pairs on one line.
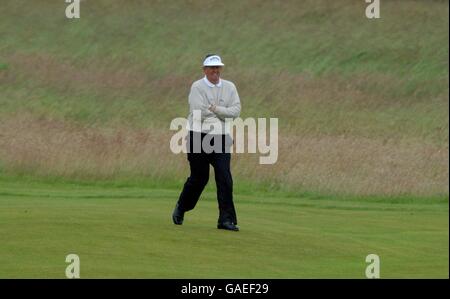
[[131, 235], [399, 63]]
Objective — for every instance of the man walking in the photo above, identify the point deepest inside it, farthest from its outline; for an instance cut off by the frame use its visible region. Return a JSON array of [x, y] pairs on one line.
[[215, 100]]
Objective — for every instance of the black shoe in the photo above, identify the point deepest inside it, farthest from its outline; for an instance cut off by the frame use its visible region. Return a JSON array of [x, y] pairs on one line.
[[178, 215], [228, 226]]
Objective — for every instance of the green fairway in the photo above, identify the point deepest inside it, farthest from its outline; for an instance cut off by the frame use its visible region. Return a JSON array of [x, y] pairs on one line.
[[127, 232]]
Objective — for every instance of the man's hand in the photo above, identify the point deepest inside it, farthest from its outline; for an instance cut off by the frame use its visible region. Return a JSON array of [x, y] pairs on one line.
[[212, 108]]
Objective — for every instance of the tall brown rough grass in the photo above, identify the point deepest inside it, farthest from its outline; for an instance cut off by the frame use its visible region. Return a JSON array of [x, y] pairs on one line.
[[322, 163]]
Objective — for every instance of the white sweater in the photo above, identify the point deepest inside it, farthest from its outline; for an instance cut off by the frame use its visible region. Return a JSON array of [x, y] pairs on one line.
[[204, 94]]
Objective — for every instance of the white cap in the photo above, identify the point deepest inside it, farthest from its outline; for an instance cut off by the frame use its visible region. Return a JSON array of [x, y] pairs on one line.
[[213, 60]]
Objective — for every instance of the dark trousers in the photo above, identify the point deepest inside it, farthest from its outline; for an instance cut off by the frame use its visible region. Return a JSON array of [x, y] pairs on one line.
[[199, 164]]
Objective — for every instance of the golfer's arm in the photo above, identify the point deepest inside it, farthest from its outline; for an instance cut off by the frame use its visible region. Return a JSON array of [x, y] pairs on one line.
[[197, 102], [231, 111]]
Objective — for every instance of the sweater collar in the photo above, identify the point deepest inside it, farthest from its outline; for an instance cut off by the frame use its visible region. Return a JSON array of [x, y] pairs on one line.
[[211, 84]]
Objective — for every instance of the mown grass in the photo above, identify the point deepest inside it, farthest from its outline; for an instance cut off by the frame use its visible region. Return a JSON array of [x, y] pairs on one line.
[[244, 187], [127, 233]]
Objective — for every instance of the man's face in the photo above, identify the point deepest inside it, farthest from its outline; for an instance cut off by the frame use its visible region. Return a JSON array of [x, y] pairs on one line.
[[212, 73]]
